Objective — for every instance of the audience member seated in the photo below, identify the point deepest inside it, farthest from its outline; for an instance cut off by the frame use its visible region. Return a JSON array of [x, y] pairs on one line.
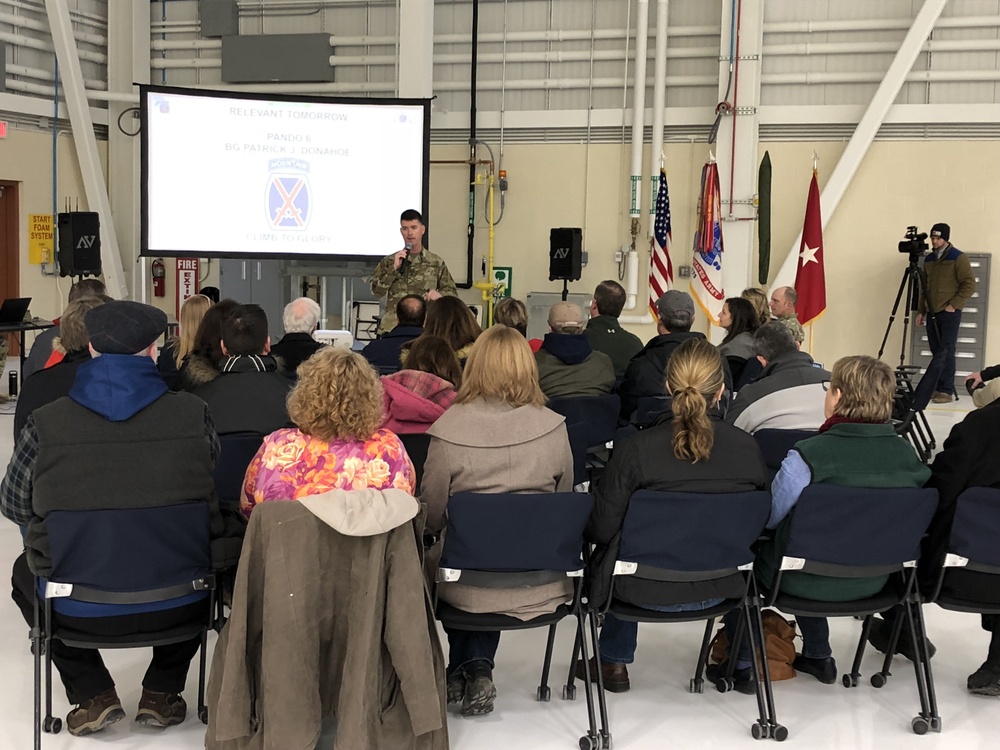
[[201, 364], [985, 385], [173, 352], [567, 365], [383, 352], [452, 320], [967, 460], [687, 449], [788, 393], [739, 319], [646, 373], [415, 397], [498, 437], [338, 444], [857, 447], [761, 304], [45, 386], [42, 353], [603, 331], [120, 441], [249, 394], [512, 313], [783, 302], [300, 318]]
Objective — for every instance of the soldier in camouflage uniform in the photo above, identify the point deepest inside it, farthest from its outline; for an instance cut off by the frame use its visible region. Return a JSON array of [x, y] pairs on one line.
[[413, 270]]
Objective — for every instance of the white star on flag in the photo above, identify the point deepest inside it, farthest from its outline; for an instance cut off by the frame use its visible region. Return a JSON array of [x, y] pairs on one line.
[[809, 255]]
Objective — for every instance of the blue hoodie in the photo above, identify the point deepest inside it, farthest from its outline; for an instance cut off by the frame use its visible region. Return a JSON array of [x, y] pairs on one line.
[[569, 348], [117, 386]]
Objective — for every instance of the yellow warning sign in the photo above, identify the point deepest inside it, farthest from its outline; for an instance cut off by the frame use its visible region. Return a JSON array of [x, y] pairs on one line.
[[41, 238]]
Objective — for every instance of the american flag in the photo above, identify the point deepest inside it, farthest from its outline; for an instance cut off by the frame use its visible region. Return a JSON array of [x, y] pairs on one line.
[[661, 270]]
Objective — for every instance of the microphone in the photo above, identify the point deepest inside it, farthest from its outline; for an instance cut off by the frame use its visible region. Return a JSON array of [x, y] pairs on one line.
[[406, 261]]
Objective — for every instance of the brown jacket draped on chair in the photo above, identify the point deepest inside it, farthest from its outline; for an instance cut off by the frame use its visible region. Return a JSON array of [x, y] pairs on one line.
[[330, 617]]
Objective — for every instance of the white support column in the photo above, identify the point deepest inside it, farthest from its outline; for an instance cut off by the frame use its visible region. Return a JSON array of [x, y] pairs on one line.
[[870, 122], [738, 161], [415, 31], [128, 63], [86, 142]]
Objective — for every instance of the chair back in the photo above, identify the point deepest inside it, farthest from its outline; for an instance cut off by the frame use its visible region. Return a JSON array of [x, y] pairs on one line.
[[157, 550], [416, 448], [775, 444], [693, 531], [858, 531], [594, 418], [976, 529], [516, 532], [736, 365], [236, 451]]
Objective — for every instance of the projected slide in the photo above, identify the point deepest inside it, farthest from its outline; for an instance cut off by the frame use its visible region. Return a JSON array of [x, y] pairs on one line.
[[226, 175]]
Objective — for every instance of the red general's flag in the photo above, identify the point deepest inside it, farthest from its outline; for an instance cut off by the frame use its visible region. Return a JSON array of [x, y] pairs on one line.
[[810, 277]]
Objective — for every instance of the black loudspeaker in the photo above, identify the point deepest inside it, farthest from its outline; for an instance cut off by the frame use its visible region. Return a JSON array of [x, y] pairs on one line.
[[79, 244], [565, 253]]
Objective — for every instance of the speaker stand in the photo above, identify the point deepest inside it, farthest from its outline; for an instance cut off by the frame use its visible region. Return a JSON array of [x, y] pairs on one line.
[[565, 292]]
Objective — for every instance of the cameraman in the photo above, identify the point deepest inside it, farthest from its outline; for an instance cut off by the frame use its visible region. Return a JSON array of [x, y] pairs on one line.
[[950, 283]]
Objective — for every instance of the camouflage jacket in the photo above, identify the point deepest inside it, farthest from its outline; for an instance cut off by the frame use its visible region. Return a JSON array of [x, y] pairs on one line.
[[424, 272]]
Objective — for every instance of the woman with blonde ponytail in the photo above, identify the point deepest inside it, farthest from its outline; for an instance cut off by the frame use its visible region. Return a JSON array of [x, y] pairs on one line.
[[688, 448]]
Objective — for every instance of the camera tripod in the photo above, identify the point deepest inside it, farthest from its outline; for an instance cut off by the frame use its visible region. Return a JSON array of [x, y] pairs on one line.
[[910, 400]]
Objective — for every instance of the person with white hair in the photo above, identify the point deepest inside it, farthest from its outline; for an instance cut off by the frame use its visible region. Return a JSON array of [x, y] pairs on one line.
[[301, 317]]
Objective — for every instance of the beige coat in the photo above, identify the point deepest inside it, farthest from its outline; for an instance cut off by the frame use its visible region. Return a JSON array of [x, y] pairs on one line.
[[491, 447], [330, 617]]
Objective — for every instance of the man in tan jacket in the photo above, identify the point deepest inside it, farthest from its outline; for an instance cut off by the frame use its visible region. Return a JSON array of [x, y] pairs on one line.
[[950, 284]]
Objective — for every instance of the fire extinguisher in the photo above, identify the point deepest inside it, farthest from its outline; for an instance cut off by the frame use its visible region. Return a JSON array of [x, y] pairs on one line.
[[159, 272]]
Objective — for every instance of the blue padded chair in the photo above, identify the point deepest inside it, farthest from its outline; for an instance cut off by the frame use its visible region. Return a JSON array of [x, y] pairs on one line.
[[775, 444], [858, 532], [972, 548], [688, 538], [591, 422], [416, 448], [515, 540], [118, 562], [236, 451]]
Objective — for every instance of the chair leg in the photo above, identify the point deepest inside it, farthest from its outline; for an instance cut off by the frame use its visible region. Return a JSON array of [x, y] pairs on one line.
[[544, 693], [602, 702], [698, 682], [880, 678], [202, 669], [36, 650], [592, 740], [767, 724], [928, 717], [569, 689], [852, 678]]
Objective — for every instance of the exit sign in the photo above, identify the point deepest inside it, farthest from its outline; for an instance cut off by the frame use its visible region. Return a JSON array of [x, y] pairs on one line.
[[3, 128]]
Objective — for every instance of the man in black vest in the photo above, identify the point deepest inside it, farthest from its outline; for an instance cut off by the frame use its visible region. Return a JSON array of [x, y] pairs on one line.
[[120, 440]]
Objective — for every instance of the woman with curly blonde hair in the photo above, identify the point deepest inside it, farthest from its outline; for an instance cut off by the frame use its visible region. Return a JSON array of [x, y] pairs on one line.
[[338, 445]]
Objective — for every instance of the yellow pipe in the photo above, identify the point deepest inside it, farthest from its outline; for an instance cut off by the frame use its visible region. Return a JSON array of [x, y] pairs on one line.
[[487, 285]]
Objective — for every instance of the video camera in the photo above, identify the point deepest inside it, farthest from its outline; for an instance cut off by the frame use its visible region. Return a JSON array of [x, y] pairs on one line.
[[915, 242]]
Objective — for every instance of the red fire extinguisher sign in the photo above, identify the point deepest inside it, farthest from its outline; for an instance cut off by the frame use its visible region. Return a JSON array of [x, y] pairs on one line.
[[187, 281]]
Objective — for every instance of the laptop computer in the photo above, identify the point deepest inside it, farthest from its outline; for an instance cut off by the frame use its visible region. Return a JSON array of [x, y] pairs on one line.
[[13, 310]]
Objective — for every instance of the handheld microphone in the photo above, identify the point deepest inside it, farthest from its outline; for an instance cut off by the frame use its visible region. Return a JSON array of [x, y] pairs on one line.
[[406, 261]]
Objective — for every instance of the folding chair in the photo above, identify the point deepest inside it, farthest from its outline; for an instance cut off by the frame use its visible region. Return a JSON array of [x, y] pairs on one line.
[[775, 444], [416, 448], [591, 422], [236, 451], [691, 538], [859, 532], [908, 407], [515, 540], [119, 557]]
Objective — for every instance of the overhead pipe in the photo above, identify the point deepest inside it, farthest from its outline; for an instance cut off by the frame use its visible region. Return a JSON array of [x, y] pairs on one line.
[[24, 22], [659, 98], [27, 41], [473, 88]]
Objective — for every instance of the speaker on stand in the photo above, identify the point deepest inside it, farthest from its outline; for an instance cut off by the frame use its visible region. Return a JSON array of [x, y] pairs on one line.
[[565, 256]]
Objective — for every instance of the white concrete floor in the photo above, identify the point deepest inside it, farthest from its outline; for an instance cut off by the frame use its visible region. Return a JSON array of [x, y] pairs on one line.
[[658, 711]]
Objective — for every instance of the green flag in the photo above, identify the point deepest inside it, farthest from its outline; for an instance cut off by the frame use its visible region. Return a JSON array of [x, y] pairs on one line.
[[764, 219]]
